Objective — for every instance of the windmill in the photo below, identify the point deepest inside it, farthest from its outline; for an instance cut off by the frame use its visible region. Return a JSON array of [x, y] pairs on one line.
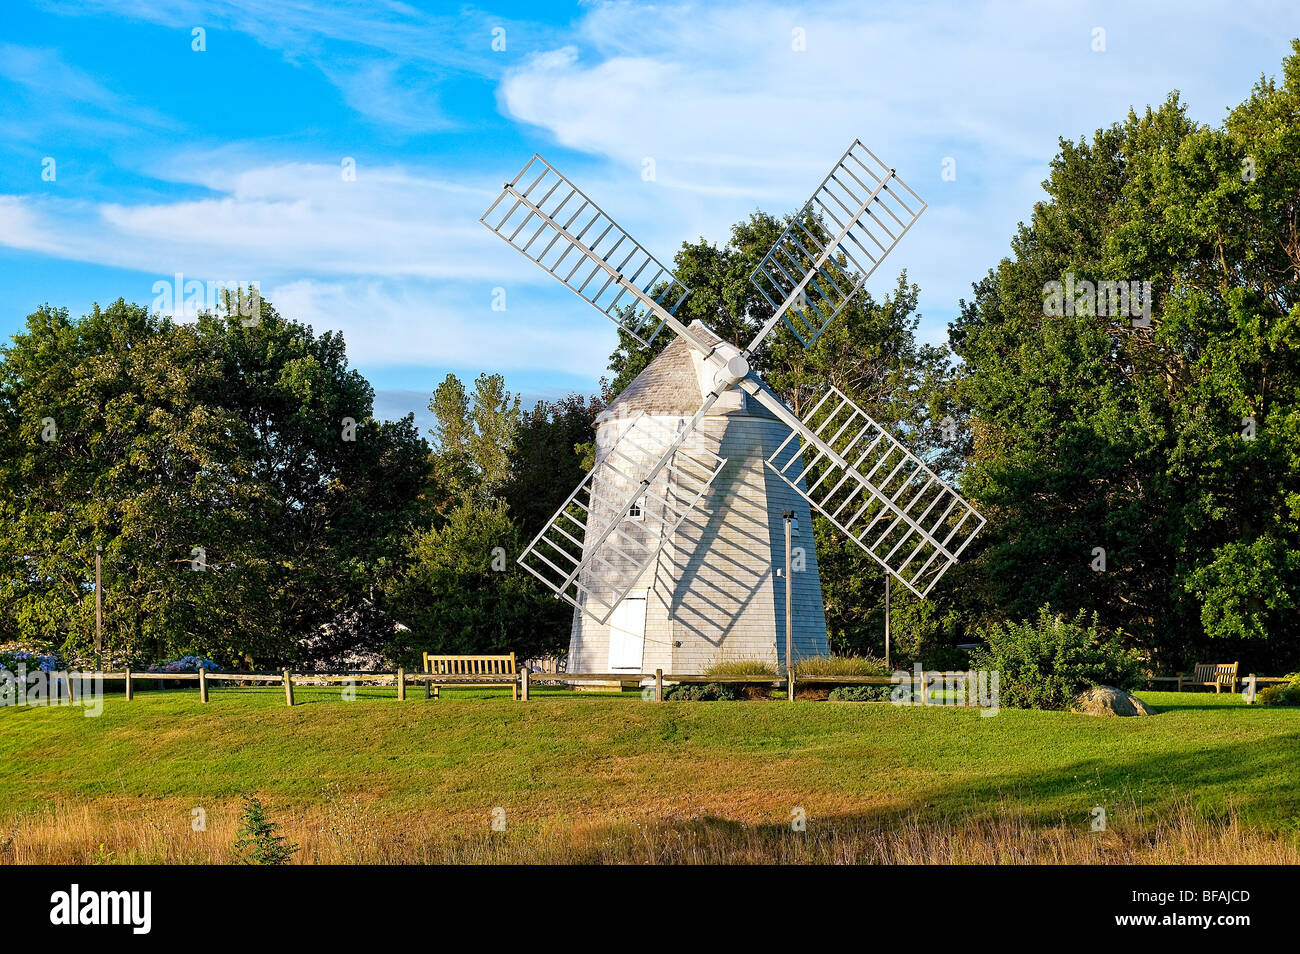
[[608, 543]]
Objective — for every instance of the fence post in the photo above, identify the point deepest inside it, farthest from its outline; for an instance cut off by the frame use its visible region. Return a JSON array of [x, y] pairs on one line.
[[1250, 689], [789, 683], [925, 689], [523, 684], [401, 684], [129, 694], [203, 685], [659, 685], [288, 687]]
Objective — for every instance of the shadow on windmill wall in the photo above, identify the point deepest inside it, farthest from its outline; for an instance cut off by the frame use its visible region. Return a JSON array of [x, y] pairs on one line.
[[726, 594]]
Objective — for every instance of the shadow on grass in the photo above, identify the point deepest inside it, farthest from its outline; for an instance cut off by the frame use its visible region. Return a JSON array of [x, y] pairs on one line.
[[1153, 782]]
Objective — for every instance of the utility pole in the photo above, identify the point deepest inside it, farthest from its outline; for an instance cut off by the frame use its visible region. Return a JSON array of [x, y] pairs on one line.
[[887, 666], [788, 516], [99, 606]]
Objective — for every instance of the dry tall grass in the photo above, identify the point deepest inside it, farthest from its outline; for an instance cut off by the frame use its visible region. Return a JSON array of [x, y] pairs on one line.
[[840, 666], [348, 831], [741, 667]]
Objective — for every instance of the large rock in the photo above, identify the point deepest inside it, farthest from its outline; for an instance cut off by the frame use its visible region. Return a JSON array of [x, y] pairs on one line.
[[1109, 701]]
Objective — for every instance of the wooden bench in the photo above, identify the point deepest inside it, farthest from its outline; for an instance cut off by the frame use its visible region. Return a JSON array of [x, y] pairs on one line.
[[473, 666], [1217, 675]]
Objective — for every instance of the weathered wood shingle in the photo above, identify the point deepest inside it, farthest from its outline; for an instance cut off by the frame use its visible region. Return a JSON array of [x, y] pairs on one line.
[[714, 592]]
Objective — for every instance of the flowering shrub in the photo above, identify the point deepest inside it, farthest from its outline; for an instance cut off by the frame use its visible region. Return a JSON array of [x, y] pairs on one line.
[[185, 664], [31, 656]]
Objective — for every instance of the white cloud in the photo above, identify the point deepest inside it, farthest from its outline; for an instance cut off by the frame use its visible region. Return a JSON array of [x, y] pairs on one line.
[[397, 259], [397, 324], [387, 59], [734, 116], [269, 219], [60, 96]]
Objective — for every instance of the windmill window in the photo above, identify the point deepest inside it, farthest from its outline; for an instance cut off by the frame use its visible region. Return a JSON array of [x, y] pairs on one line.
[[636, 511]]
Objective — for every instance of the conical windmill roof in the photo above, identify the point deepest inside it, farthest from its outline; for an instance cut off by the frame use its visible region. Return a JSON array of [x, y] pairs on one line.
[[674, 384]]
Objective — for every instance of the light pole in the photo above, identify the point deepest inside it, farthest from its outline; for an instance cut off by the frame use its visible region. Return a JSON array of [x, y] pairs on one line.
[[887, 666], [99, 606], [788, 516]]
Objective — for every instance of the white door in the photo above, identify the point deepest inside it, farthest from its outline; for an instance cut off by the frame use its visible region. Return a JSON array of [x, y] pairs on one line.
[[627, 634]]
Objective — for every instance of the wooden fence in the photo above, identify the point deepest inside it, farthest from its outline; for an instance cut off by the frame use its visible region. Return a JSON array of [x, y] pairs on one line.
[[1249, 683], [400, 680]]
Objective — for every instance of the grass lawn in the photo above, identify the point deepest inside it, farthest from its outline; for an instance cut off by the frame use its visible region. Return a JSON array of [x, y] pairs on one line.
[[564, 762]]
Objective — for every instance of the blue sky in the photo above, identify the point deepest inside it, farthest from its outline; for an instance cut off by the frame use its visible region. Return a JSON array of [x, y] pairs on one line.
[[226, 164]]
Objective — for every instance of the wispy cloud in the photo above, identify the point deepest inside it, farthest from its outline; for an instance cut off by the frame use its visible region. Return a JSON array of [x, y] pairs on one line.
[[737, 105], [387, 59], [396, 259], [61, 96], [750, 103], [388, 323], [293, 217]]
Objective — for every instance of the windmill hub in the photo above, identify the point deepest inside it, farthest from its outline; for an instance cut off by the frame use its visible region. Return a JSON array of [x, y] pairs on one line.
[[733, 370]]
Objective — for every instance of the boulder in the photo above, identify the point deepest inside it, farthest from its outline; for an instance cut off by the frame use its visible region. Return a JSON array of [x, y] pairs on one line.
[[1109, 701]]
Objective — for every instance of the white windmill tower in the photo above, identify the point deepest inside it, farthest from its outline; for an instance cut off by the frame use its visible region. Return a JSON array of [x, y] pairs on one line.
[[666, 549]]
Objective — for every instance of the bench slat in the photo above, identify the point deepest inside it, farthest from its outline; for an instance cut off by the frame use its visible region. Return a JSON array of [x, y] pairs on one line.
[[475, 665]]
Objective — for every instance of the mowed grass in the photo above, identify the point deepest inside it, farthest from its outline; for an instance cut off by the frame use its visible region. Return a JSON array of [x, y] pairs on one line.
[[563, 762]]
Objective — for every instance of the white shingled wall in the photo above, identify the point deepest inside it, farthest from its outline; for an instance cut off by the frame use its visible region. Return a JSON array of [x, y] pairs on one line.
[[713, 593]]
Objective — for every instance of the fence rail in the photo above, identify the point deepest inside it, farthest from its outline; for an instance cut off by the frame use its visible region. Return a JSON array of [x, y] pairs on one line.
[[931, 679]]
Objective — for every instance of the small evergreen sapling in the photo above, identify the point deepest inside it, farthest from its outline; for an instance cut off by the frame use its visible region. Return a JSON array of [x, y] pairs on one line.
[[258, 841]]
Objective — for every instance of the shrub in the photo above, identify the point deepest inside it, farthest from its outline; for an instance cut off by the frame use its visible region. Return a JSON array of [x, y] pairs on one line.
[[840, 666], [861, 693], [741, 667], [258, 841], [185, 664], [1046, 663], [34, 656], [1281, 693], [701, 692]]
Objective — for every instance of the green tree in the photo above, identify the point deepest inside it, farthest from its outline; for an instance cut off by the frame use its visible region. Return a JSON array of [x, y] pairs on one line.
[[243, 494], [462, 592], [111, 438], [258, 840], [1170, 445], [548, 459], [474, 434], [333, 489]]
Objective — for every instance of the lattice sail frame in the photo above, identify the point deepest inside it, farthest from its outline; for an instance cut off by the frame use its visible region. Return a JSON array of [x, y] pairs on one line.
[[588, 553], [888, 501], [591, 553], [552, 222], [832, 245]]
